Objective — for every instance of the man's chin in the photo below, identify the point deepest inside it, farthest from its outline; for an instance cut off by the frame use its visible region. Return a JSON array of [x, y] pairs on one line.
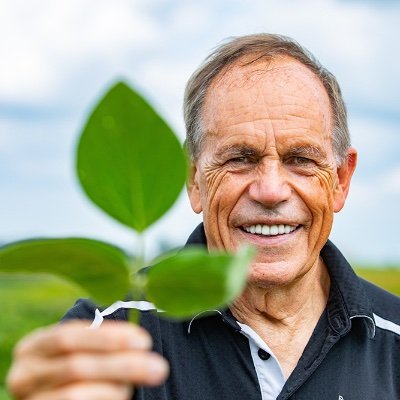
[[273, 274]]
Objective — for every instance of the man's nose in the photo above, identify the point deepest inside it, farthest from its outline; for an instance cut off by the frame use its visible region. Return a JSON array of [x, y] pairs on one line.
[[270, 186]]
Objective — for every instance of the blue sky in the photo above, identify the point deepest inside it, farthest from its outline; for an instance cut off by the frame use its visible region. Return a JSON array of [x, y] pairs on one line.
[[58, 56]]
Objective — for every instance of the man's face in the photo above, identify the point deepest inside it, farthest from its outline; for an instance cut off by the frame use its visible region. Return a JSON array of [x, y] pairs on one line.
[[267, 173]]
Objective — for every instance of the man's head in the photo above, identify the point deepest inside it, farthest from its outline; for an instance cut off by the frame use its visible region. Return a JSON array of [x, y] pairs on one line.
[[258, 47], [266, 168]]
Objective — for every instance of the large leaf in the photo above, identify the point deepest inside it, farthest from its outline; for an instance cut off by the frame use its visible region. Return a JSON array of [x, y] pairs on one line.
[[194, 280], [97, 267], [129, 161]]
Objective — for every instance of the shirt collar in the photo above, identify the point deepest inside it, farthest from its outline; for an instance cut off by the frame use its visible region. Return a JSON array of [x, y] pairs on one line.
[[347, 299]]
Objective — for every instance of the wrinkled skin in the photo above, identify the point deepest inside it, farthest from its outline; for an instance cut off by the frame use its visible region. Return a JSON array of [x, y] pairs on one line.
[[267, 158]]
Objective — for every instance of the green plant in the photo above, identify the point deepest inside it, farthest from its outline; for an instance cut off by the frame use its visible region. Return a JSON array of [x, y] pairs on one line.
[[131, 165]]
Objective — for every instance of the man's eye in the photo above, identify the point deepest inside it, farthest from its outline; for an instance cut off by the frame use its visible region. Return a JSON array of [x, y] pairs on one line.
[[301, 161], [240, 160]]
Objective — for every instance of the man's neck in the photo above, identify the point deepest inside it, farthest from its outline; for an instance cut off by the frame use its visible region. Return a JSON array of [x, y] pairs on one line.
[[285, 317]]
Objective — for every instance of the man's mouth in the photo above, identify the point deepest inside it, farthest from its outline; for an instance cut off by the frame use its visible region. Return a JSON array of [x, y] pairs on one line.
[[270, 230]]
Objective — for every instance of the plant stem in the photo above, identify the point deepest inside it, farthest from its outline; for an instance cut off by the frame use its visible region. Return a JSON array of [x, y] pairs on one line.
[[137, 282], [141, 253]]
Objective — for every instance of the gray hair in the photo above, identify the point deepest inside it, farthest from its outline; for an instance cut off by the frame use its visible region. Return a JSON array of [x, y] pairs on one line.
[[265, 46]]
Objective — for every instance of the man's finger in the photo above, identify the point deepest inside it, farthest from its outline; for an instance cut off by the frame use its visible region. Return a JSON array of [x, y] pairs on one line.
[[87, 391], [136, 367], [75, 337]]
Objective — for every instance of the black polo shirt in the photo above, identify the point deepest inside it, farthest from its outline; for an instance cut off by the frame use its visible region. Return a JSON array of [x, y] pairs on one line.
[[353, 353]]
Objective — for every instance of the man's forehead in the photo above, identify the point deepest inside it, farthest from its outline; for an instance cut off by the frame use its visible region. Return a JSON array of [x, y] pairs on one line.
[[275, 79], [293, 100], [249, 69], [285, 82]]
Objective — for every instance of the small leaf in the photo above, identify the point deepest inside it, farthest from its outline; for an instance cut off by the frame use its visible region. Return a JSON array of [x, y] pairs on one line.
[[129, 161], [194, 280], [97, 267]]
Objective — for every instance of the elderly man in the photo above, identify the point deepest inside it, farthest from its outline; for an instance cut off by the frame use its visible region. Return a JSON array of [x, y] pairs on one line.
[[271, 164]]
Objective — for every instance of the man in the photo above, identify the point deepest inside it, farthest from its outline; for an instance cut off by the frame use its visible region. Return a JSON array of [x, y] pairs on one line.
[[271, 164]]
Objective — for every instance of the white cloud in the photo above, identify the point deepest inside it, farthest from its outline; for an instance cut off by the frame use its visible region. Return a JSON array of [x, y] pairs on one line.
[[47, 41], [375, 192], [391, 182], [7, 143], [50, 44], [367, 229], [377, 141]]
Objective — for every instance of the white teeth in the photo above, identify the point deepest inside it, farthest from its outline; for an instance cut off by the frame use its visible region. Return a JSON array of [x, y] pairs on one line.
[[265, 230], [270, 230], [274, 230]]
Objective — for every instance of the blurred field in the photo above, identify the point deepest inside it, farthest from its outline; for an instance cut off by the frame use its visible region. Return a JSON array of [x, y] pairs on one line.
[[30, 302], [389, 278]]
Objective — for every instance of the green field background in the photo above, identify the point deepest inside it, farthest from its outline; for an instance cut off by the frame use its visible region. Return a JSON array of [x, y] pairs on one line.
[[27, 303]]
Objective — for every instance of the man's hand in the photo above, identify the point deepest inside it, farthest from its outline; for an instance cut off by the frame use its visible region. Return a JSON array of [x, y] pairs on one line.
[[70, 361]]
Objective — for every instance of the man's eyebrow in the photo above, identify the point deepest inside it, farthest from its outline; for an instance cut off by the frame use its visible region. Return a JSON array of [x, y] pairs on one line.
[[236, 149], [239, 150], [306, 151]]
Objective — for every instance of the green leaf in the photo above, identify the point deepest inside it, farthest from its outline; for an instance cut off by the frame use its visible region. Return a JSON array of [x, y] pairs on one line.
[[97, 267], [194, 280], [129, 161]]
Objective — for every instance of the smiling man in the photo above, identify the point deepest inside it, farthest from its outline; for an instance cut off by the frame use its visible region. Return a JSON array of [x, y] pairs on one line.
[[271, 164], [267, 174]]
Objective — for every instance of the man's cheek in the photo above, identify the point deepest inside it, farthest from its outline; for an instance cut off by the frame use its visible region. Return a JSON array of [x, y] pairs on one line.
[[321, 192], [221, 192], [321, 208]]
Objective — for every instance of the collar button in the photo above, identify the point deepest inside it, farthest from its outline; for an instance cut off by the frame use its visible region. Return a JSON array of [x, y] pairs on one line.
[[263, 354]]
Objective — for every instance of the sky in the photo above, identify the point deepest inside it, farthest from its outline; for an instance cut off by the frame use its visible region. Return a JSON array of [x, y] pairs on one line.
[[57, 57]]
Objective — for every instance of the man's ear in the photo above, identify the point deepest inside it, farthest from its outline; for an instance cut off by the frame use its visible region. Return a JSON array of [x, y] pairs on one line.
[[193, 189], [344, 174]]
